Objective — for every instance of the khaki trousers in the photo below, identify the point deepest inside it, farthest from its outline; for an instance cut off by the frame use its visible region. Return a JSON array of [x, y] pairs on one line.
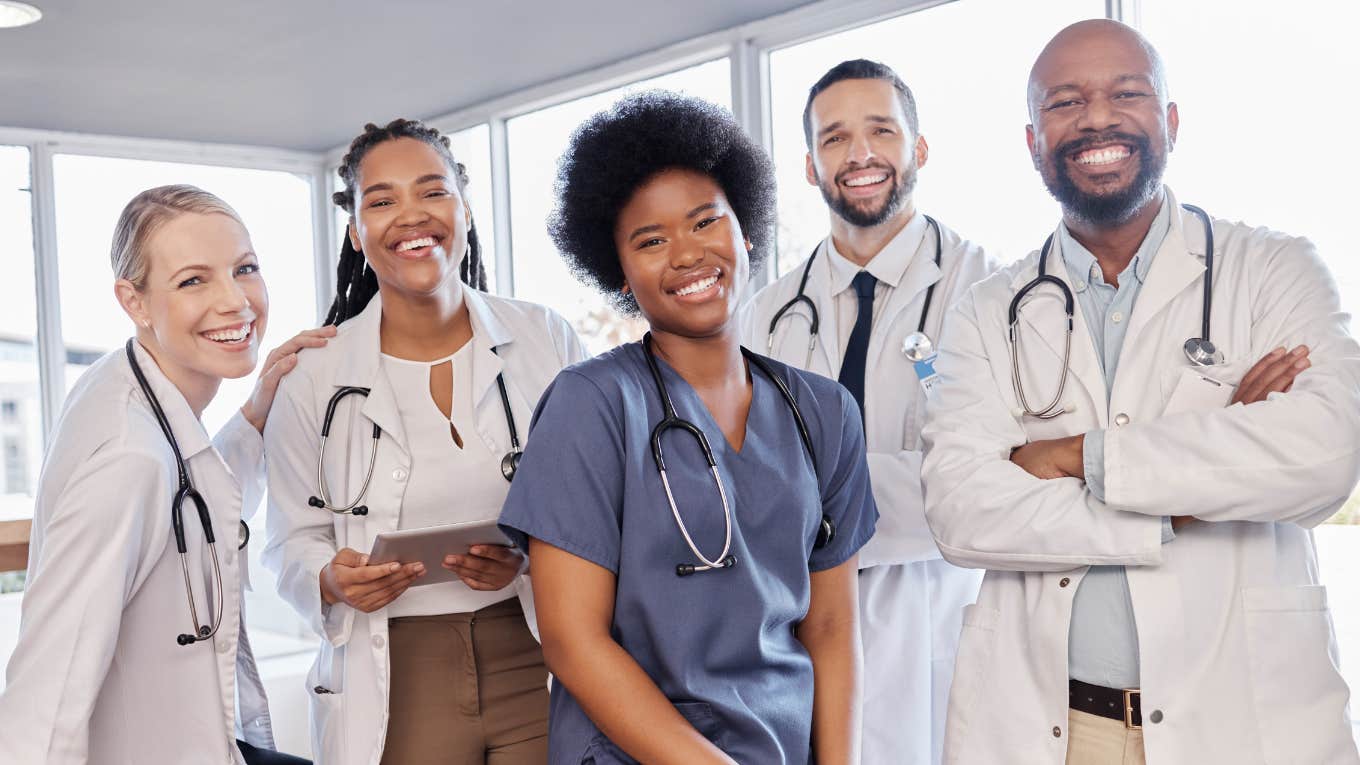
[[1096, 740], [467, 689]]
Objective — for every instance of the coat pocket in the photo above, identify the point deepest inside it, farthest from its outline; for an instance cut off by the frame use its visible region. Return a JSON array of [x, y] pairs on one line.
[[977, 643], [326, 705], [602, 751], [1297, 691]]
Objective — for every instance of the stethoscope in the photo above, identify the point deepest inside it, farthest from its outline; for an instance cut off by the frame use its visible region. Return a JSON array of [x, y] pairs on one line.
[[509, 463], [187, 491], [1199, 350], [917, 345], [724, 559]]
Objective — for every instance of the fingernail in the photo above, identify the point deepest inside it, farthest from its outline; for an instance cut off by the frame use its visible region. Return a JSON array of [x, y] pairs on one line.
[[420, 568], [363, 560], [1302, 349], [393, 566], [476, 549], [1301, 364], [1277, 353]]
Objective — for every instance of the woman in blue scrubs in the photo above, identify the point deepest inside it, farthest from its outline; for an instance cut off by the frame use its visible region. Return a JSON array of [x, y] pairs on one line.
[[663, 202]]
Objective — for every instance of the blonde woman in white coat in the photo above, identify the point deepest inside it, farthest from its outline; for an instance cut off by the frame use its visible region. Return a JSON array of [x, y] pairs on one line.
[[98, 674], [450, 672]]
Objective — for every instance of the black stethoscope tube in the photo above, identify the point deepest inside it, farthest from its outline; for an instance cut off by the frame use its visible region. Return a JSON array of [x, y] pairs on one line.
[[671, 420], [509, 463], [186, 491], [814, 317]]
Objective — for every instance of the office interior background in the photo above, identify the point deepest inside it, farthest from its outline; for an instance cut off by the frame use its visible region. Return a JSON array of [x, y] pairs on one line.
[[256, 103]]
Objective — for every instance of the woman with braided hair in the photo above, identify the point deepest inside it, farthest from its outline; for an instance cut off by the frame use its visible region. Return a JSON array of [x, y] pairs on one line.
[[449, 672]]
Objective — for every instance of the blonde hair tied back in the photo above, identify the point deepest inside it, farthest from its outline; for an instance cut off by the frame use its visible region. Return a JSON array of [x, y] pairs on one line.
[[145, 214]]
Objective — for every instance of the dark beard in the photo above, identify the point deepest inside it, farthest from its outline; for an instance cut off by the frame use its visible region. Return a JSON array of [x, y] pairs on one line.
[[1112, 208], [861, 218]]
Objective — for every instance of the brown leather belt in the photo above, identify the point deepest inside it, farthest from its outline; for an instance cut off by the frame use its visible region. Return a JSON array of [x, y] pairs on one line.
[[1113, 703]]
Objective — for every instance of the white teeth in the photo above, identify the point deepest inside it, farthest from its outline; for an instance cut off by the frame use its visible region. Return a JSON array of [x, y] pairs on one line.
[[230, 335], [1103, 156], [866, 180], [698, 286], [413, 244]]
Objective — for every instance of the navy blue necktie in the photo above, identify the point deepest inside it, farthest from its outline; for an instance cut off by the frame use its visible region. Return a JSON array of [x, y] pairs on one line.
[[857, 350]]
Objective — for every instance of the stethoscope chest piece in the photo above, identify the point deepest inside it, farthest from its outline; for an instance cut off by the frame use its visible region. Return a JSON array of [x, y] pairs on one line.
[[510, 463], [1202, 353], [917, 346]]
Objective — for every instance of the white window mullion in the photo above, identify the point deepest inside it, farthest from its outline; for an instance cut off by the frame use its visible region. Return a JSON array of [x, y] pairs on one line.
[[325, 248], [500, 206], [51, 348]]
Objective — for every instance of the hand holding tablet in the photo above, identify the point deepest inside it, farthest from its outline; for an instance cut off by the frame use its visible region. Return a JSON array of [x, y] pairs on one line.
[[448, 555]]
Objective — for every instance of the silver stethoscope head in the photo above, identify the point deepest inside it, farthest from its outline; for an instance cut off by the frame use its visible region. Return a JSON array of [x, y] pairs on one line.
[[917, 346], [510, 463], [1202, 353]]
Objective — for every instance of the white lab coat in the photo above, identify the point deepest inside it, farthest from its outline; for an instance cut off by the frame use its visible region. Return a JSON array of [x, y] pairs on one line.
[[911, 599], [97, 675], [349, 681], [1239, 661]]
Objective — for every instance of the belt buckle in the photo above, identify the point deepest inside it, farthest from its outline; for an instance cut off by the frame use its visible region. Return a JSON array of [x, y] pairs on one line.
[[1128, 708]]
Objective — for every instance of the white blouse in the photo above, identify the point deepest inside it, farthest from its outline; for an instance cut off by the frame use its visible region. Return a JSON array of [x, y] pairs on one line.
[[447, 483]]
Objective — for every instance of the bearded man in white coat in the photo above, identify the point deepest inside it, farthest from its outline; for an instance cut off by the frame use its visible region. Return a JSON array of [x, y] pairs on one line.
[[881, 280], [1152, 588]]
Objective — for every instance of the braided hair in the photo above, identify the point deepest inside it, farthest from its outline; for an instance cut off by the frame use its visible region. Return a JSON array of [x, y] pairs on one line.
[[355, 282]]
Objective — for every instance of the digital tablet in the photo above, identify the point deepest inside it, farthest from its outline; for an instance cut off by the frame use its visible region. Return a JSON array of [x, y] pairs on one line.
[[429, 546]]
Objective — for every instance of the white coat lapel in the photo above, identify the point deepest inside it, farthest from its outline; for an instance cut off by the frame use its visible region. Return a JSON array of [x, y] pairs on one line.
[[363, 368], [1042, 323], [488, 335], [1175, 269], [920, 274]]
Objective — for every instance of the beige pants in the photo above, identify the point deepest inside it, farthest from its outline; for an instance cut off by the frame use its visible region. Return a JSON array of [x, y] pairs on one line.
[[1096, 740], [467, 689]]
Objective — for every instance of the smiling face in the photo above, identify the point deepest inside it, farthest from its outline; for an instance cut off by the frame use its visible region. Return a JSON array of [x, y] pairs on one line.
[[683, 254], [203, 307], [410, 220], [1101, 123], [864, 157]]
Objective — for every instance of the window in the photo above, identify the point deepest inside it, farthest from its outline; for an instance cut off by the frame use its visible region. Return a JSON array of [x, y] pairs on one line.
[[21, 411], [967, 64], [536, 141], [472, 147], [1261, 143]]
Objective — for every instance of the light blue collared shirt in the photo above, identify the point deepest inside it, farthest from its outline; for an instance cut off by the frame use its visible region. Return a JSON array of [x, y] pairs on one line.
[[1102, 646]]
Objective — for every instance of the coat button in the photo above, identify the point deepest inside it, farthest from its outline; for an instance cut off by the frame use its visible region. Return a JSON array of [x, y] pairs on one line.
[[378, 641], [399, 474], [1121, 419], [1064, 582], [1057, 732], [1156, 716]]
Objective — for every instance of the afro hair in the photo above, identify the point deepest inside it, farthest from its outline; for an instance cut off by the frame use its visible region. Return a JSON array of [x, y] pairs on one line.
[[616, 151]]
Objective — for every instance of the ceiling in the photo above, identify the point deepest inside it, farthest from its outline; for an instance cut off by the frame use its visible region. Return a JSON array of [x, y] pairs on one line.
[[305, 74]]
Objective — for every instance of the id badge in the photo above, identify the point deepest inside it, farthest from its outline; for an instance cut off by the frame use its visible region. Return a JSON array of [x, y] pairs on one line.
[[1196, 391], [925, 372]]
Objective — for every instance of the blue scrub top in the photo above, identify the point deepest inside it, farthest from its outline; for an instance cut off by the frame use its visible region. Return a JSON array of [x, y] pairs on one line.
[[719, 644]]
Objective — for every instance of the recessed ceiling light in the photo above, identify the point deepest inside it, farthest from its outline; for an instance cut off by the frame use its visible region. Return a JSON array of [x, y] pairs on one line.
[[16, 14]]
